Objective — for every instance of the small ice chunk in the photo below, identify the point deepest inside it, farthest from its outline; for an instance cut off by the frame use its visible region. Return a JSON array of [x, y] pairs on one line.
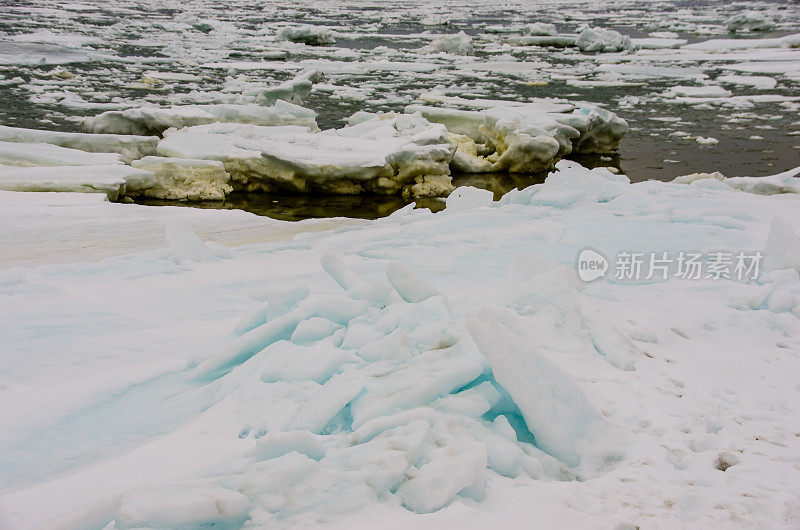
[[706, 141], [182, 507], [130, 147], [540, 29], [451, 470], [602, 40], [337, 270], [306, 34], [458, 44], [706, 91], [41, 154], [688, 179], [156, 120], [114, 180], [408, 285], [325, 403], [313, 329], [468, 198], [749, 21]]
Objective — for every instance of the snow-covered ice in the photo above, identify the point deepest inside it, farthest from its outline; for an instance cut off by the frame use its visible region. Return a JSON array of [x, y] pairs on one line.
[[168, 367], [155, 120], [130, 147], [451, 364], [385, 154]]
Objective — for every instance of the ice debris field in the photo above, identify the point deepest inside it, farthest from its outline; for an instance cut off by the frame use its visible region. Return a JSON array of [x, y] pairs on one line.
[[182, 368]]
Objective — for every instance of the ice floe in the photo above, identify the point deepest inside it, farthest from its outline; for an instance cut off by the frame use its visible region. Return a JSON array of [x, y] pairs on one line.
[[114, 181], [384, 154], [307, 34], [155, 120], [130, 147], [458, 44], [524, 137]]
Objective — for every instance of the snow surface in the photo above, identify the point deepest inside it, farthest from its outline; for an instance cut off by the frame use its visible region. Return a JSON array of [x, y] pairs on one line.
[[447, 364]]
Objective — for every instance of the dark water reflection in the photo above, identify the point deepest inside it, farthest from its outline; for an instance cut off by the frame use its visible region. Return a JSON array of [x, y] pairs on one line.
[[297, 206]]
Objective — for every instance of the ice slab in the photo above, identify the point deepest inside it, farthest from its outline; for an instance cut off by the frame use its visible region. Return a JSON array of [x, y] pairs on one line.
[[155, 120], [113, 180], [42, 154], [130, 147], [385, 154]]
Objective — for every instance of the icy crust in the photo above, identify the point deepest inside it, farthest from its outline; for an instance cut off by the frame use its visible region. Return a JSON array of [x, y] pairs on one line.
[[185, 179], [524, 137], [155, 120], [113, 180], [384, 154], [130, 147]]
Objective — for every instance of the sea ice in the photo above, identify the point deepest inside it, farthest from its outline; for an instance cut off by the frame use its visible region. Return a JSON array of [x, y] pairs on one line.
[[385, 154], [113, 180], [185, 179], [42, 154], [457, 44], [306, 34], [130, 147], [749, 21], [155, 120], [602, 40], [525, 137]]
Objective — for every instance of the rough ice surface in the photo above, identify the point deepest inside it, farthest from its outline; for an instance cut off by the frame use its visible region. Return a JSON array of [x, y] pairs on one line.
[[443, 364], [185, 179], [524, 137], [424, 370], [384, 154]]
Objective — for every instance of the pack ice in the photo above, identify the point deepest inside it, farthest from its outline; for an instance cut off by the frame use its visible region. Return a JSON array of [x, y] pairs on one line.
[[447, 364], [209, 150]]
